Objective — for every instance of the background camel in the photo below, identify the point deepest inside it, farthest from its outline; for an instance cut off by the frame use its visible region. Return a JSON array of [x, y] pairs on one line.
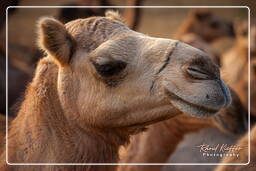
[[206, 26], [243, 154], [235, 66], [241, 47], [93, 62]]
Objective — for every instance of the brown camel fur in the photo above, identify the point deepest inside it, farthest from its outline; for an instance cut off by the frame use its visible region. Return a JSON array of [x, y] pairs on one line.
[[101, 83], [235, 67], [243, 154]]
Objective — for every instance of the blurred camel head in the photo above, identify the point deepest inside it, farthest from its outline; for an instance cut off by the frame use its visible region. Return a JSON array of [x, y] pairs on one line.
[[111, 76], [207, 25]]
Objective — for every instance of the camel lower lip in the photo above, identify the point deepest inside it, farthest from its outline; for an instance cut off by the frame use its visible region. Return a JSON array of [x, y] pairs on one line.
[[196, 108]]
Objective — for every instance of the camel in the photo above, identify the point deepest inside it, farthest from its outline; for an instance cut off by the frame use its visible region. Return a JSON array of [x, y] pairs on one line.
[[243, 142], [201, 28], [235, 66], [100, 83]]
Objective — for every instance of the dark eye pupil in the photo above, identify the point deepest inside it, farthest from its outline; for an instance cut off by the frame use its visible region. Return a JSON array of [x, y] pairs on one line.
[[111, 68]]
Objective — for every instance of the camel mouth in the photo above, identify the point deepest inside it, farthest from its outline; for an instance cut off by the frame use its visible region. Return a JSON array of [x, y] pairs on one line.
[[149, 122], [190, 108]]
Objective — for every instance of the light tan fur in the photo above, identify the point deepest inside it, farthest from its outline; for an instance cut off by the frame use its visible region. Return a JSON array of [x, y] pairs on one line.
[[110, 82], [114, 15]]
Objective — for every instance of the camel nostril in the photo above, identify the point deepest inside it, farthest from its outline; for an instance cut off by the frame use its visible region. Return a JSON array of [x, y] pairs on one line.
[[197, 73]]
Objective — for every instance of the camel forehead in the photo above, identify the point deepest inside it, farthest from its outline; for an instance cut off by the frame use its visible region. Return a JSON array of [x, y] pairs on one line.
[[91, 32], [135, 44], [101, 25], [106, 35]]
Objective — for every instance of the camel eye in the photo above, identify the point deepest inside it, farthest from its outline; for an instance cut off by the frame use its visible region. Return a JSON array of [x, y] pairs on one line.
[[109, 68]]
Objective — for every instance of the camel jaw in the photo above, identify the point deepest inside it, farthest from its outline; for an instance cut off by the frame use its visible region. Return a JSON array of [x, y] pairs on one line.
[[187, 107]]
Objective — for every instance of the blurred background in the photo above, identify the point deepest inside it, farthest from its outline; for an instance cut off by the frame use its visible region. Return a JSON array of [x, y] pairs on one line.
[[220, 32]]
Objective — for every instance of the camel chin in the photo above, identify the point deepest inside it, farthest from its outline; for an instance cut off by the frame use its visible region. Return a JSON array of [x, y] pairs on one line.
[[197, 109]]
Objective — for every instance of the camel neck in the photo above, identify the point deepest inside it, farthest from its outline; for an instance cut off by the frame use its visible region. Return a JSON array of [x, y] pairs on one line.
[[46, 135]]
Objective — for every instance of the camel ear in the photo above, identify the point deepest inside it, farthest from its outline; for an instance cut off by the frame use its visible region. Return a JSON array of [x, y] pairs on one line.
[[114, 15], [55, 40]]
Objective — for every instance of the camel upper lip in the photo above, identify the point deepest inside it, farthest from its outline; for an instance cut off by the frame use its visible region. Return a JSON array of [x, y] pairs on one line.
[[198, 107]]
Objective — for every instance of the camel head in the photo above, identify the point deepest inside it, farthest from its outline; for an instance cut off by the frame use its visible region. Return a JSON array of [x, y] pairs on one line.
[[209, 26], [109, 75]]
